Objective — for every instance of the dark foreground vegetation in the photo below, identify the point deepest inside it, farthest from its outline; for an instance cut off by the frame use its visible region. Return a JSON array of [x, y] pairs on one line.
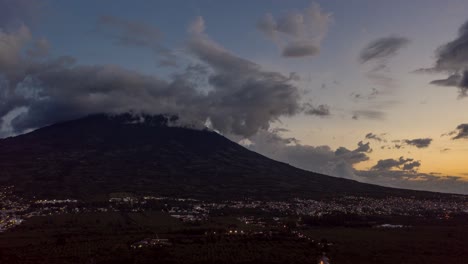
[[110, 238]]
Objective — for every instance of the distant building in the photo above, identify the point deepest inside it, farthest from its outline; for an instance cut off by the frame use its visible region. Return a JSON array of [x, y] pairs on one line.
[[151, 242]]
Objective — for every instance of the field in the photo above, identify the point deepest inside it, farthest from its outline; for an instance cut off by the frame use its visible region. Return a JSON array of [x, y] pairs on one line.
[[106, 238]]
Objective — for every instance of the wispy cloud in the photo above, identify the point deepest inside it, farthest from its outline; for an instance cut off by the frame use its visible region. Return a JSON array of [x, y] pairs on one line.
[[298, 33], [382, 49], [136, 34]]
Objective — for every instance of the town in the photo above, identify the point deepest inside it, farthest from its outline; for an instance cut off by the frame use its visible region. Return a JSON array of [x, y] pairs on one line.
[[15, 210]]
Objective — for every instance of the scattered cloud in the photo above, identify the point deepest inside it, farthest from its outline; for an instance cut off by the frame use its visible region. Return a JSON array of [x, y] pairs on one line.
[[401, 163], [319, 110], [419, 142], [411, 165], [461, 132], [354, 156], [398, 173], [374, 92], [298, 33], [375, 137]]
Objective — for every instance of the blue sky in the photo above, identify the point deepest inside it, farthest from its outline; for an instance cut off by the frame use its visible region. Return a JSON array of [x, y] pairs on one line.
[[353, 116]]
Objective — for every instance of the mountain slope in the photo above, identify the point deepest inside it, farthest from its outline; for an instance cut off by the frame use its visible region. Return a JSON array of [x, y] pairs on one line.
[[100, 154]]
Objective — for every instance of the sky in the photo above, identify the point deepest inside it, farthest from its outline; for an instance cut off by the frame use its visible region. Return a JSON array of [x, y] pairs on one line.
[[373, 91]]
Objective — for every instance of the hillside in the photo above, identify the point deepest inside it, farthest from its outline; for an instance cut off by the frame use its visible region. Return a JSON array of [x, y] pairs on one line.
[[101, 154]]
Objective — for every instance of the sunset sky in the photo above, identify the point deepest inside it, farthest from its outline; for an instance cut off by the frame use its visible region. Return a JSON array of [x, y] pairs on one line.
[[368, 90]]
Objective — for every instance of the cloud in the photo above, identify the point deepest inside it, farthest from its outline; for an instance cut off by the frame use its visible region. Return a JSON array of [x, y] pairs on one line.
[[246, 98], [320, 110], [354, 156], [398, 173], [40, 48], [459, 80], [452, 59], [461, 132], [321, 159], [378, 53], [298, 33], [382, 49], [419, 142], [241, 97], [375, 137], [388, 164], [370, 96], [381, 78], [411, 165], [410, 179], [452, 80], [136, 34], [300, 49], [368, 114]]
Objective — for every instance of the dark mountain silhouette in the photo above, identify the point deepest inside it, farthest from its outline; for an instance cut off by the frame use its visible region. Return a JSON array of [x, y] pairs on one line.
[[101, 154]]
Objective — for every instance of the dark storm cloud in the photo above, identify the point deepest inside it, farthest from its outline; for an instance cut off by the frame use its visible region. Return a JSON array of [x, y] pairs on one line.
[[298, 33], [461, 132], [242, 98], [452, 59], [134, 33], [382, 49], [246, 97], [454, 55], [72, 91], [419, 142], [319, 110], [402, 163]]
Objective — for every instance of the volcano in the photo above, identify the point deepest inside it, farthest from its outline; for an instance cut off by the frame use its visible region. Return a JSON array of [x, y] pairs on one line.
[[101, 154]]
